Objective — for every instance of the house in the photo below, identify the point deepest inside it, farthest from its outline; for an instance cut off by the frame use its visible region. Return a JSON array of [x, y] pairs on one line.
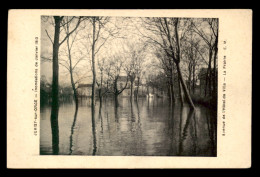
[[85, 90], [142, 90], [66, 93], [45, 92], [121, 81]]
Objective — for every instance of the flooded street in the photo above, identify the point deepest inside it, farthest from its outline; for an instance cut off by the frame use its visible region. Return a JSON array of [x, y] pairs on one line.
[[148, 127]]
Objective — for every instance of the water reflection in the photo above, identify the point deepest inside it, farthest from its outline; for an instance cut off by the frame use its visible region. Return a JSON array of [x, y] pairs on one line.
[[72, 130], [184, 132], [143, 127], [55, 130], [211, 124], [94, 131], [100, 116]]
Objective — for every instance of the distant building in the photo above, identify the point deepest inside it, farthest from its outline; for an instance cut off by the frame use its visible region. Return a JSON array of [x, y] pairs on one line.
[[121, 81], [45, 90], [202, 77], [85, 90], [142, 90]]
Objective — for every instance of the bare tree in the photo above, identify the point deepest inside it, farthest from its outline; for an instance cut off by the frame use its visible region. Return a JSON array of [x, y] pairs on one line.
[[68, 64], [214, 27], [190, 54], [169, 70], [97, 38], [58, 22], [131, 74], [130, 67], [166, 35], [210, 37], [115, 72], [136, 54], [103, 90]]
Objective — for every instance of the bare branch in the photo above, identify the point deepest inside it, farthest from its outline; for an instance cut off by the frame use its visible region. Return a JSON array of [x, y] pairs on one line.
[[64, 66], [71, 31], [124, 86], [49, 36], [101, 45]]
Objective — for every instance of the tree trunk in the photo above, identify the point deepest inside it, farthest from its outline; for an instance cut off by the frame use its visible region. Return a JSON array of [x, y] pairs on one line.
[[131, 89], [116, 100], [193, 78], [185, 88], [137, 89], [170, 94], [100, 97], [209, 74], [116, 92], [55, 87], [180, 92], [75, 94], [206, 84], [172, 83], [100, 90], [215, 70], [76, 97], [93, 64], [94, 130], [189, 78], [178, 67]]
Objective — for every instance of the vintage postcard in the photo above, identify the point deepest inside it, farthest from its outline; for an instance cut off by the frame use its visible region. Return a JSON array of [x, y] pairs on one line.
[[129, 88]]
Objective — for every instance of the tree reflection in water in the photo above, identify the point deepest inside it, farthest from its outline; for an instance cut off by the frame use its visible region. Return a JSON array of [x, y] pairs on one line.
[[94, 130], [138, 115], [142, 127], [72, 130], [211, 124], [171, 128], [183, 133], [55, 129], [100, 116]]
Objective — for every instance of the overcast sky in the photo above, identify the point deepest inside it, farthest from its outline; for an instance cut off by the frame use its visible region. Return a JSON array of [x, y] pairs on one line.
[[114, 45]]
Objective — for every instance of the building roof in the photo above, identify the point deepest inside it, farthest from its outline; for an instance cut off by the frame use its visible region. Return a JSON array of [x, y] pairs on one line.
[[84, 85], [122, 78]]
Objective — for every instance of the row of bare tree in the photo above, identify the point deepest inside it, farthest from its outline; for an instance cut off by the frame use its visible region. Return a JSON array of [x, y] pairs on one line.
[[173, 39], [184, 47], [84, 37]]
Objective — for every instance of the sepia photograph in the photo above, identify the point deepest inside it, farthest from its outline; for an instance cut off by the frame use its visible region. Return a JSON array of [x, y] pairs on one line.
[[128, 86], [129, 89]]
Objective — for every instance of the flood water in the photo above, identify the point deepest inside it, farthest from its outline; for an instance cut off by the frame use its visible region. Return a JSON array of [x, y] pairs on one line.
[[149, 127]]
